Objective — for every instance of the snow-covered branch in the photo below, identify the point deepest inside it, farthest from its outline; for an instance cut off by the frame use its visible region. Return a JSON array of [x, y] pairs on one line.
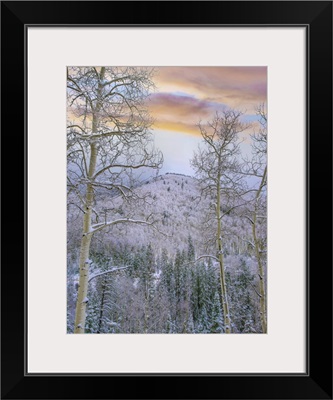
[[101, 225], [97, 227], [106, 272], [127, 166], [201, 257], [206, 256], [94, 136]]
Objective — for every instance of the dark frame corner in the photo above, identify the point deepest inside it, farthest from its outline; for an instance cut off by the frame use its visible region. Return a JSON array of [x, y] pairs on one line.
[[317, 16]]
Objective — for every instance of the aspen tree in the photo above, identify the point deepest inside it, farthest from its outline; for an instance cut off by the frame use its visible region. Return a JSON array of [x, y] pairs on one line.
[[216, 166], [107, 135], [257, 167]]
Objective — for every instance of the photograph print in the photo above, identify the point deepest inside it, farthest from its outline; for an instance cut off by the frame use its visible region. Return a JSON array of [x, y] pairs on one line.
[[166, 200]]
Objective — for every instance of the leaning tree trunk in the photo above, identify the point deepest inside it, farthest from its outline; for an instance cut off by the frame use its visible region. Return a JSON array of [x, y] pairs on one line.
[[225, 302], [261, 272], [84, 262]]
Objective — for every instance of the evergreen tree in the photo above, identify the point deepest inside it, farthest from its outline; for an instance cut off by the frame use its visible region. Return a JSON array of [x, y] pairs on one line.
[[200, 297], [147, 283], [204, 321], [217, 320], [93, 312], [182, 290], [190, 249], [241, 301]]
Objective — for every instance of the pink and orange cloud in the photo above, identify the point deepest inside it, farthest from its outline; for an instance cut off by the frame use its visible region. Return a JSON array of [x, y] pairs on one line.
[[187, 95]]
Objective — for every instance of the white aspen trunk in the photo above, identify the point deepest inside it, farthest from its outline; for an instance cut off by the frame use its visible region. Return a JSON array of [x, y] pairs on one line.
[[84, 263], [81, 304], [225, 303], [258, 256]]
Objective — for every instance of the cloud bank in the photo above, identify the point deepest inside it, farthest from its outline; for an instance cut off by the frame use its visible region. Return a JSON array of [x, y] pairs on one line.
[[186, 95]]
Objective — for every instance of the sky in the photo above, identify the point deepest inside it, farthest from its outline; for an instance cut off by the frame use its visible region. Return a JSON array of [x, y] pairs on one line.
[[185, 96]]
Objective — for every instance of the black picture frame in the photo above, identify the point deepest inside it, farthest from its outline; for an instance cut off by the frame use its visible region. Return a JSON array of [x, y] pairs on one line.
[[316, 383]]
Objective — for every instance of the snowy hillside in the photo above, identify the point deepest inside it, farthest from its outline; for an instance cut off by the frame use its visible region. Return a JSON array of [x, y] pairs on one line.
[[177, 205], [175, 202]]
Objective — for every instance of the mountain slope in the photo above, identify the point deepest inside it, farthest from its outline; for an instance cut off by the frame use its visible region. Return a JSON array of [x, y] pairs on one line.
[[179, 211]]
